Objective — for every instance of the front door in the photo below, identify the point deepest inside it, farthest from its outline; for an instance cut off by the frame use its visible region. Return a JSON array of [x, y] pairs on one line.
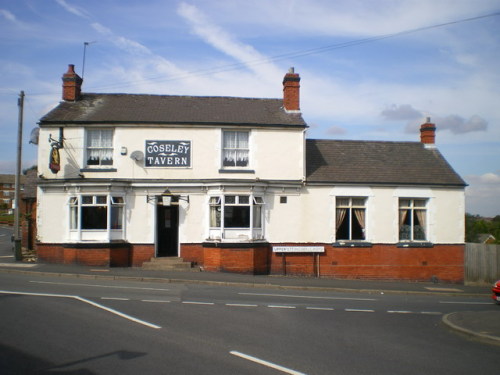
[[167, 231]]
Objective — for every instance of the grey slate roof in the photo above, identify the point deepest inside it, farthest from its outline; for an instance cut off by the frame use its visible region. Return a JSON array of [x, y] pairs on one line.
[[166, 109], [382, 163]]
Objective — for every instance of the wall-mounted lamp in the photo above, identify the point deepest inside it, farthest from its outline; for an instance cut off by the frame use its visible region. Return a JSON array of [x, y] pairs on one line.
[[123, 151]]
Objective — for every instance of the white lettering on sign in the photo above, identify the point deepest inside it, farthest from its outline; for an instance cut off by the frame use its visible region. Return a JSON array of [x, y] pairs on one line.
[[168, 154], [298, 249]]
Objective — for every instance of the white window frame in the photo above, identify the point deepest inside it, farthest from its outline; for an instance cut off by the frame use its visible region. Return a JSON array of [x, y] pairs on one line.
[[112, 202], [99, 149], [236, 149], [218, 228], [350, 208], [413, 210]]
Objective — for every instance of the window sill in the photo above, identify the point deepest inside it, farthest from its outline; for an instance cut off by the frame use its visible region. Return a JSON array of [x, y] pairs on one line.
[[352, 244], [415, 244], [236, 171], [98, 170]]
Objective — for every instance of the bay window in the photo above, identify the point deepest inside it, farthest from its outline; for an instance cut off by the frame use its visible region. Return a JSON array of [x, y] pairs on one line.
[[236, 216], [98, 212]]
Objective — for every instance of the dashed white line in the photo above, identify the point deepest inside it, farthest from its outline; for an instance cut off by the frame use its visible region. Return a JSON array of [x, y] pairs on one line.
[[155, 301], [281, 307], [310, 297], [241, 305], [359, 310], [320, 308], [266, 363], [116, 298], [399, 312], [198, 303]]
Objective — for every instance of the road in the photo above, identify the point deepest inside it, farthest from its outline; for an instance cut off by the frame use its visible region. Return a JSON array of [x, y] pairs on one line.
[[55, 324]]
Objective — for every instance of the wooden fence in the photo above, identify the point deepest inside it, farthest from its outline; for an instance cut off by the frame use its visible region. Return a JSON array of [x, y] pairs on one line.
[[482, 263]]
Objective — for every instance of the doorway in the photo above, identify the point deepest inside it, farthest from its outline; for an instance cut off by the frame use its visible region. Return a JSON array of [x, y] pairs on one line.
[[167, 230]]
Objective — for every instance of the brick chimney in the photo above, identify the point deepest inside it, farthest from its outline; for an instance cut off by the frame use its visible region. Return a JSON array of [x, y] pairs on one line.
[[428, 133], [72, 85], [291, 91]]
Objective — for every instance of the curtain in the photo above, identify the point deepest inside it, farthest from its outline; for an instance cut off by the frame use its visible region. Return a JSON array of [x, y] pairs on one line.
[[100, 146], [360, 215], [420, 233], [235, 148], [341, 212]]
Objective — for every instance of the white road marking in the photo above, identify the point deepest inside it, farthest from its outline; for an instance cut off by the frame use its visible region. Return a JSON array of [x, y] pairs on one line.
[[312, 297], [113, 311], [281, 307], [97, 285], [359, 310], [241, 305], [198, 303], [399, 312], [6, 256], [116, 298], [465, 303], [20, 265], [431, 313], [155, 301], [266, 363], [320, 308], [434, 289]]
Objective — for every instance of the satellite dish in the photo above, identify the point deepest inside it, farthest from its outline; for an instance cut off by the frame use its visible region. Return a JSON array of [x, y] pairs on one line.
[[34, 135], [137, 155]]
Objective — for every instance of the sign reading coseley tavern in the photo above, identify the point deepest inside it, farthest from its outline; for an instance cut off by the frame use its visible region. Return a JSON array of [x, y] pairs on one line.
[[168, 154]]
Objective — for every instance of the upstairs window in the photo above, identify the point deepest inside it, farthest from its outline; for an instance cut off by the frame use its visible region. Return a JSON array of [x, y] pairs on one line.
[[412, 219], [235, 149], [99, 147], [350, 218]]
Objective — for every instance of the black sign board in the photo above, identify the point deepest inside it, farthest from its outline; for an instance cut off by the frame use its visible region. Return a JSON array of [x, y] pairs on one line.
[[168, 154]]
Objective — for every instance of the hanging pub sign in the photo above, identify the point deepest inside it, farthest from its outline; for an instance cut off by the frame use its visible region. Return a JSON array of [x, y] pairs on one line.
[[54, 160], [168, 154]]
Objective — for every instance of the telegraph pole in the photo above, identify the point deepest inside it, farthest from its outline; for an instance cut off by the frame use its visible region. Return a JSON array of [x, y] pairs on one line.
[[17, 212]]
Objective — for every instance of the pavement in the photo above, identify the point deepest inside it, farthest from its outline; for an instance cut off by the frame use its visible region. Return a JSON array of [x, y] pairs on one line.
[[479, 325]]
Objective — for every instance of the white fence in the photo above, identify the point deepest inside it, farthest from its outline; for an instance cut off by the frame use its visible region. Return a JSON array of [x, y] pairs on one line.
[[482, 263]]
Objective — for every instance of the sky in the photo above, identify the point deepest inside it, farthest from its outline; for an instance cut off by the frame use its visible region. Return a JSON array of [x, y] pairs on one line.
[[370, 70]]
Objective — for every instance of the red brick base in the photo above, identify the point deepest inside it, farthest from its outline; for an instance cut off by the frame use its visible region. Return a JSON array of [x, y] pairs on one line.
[[99, 254], [379, 261]]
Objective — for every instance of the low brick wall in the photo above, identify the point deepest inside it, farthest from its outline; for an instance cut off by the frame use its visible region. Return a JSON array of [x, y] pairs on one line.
[[378, 261]]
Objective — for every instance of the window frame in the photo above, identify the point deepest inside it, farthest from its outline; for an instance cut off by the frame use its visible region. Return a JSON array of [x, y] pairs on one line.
[[237, 148], [106, 149], [413, 215], [219, 207], [349, 215], [114, 206]]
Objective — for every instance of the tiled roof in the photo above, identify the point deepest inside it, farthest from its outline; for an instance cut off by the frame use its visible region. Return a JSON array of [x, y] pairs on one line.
[[165, 109], [372, 163]]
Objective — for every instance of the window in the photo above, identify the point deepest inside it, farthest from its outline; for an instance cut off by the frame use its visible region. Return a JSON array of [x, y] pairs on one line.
[[350, 219], [241, 213], [235, 149], [90, 212], [412, 219], [99, 147]]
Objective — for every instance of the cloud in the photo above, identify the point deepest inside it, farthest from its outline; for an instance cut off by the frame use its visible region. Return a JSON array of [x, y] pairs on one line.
[[454, 123], [481, 197], [77, 11], [8, 15], [336, 130], [218, 38], [401, 112]]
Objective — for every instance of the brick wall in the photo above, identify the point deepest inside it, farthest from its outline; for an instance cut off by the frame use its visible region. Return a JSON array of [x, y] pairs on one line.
[[381, 261]]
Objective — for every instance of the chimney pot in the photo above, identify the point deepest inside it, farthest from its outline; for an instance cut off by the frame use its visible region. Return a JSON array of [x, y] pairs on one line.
[[72, 84]]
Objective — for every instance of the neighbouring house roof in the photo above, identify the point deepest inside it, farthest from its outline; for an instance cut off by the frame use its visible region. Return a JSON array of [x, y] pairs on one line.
[[372, 162], [96, 109]]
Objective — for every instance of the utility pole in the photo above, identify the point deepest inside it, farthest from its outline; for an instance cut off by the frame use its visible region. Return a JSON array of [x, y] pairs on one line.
[[17, 213]]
